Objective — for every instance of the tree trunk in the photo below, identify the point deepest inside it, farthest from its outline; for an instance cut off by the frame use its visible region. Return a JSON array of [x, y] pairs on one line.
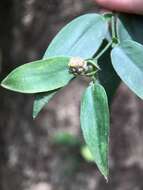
[[29, 160]]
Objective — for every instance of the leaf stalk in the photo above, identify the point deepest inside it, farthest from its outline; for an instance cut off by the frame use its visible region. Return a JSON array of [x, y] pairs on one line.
[[103, 51]]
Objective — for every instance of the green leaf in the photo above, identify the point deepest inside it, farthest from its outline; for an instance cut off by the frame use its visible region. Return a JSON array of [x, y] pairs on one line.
[[41, 99], [82, 37], [92, 29], [107, 75], [127, 60], [39, 76], [85, 31], [95, 125], [130, 27]]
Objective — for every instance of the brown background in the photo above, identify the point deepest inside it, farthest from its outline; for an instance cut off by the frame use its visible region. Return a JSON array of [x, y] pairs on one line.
[[28, 159]]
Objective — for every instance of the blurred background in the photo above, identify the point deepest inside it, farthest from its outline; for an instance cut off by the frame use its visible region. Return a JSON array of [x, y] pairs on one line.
[[47, 153]]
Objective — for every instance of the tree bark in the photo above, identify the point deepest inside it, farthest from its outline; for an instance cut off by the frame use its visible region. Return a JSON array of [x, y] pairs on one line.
[[28, 158]]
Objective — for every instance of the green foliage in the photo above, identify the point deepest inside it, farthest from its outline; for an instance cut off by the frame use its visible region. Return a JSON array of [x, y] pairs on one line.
[[39, 76], [94, 120], [41, 99], [80, 38], [87, 31], [130, 27], [127, 60], [102, 47]]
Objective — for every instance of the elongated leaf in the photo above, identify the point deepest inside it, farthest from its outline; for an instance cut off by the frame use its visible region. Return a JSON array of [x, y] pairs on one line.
[[41, 99], [85, 31], [127, 60], [82, 37], [95, 125], [39, 76], [130, 27]]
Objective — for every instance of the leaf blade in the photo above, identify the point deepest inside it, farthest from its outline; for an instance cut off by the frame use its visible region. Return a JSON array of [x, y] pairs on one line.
[[41, 100], [39, 76], [85, 31], [95, 125], [127, 59], [130, 27], [64, 38]]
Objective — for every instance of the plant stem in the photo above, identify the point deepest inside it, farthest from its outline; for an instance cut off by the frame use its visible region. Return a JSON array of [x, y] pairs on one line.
[[103, 51], [113, 26], [116, 26], [115, 38]]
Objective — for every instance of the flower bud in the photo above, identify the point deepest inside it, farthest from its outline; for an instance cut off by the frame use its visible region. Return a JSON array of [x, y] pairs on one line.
[[77, 66]]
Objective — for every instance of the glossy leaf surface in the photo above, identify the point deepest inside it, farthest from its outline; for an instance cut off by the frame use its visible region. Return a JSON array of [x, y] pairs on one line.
[[39, 76], [127, 60], [82, 37], [95, 125], [41, 99]]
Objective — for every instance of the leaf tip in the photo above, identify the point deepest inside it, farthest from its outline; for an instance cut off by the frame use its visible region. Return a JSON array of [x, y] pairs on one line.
[[106, 178], [104, 172], [36, 110], [4, 83], [7, 83], [34, 114]]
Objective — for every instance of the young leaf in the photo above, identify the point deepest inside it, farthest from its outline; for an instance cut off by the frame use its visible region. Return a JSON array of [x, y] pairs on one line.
[[95, 125], [127, 60], [41, 99], [39, 76], [130, 27], [80, 38]]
